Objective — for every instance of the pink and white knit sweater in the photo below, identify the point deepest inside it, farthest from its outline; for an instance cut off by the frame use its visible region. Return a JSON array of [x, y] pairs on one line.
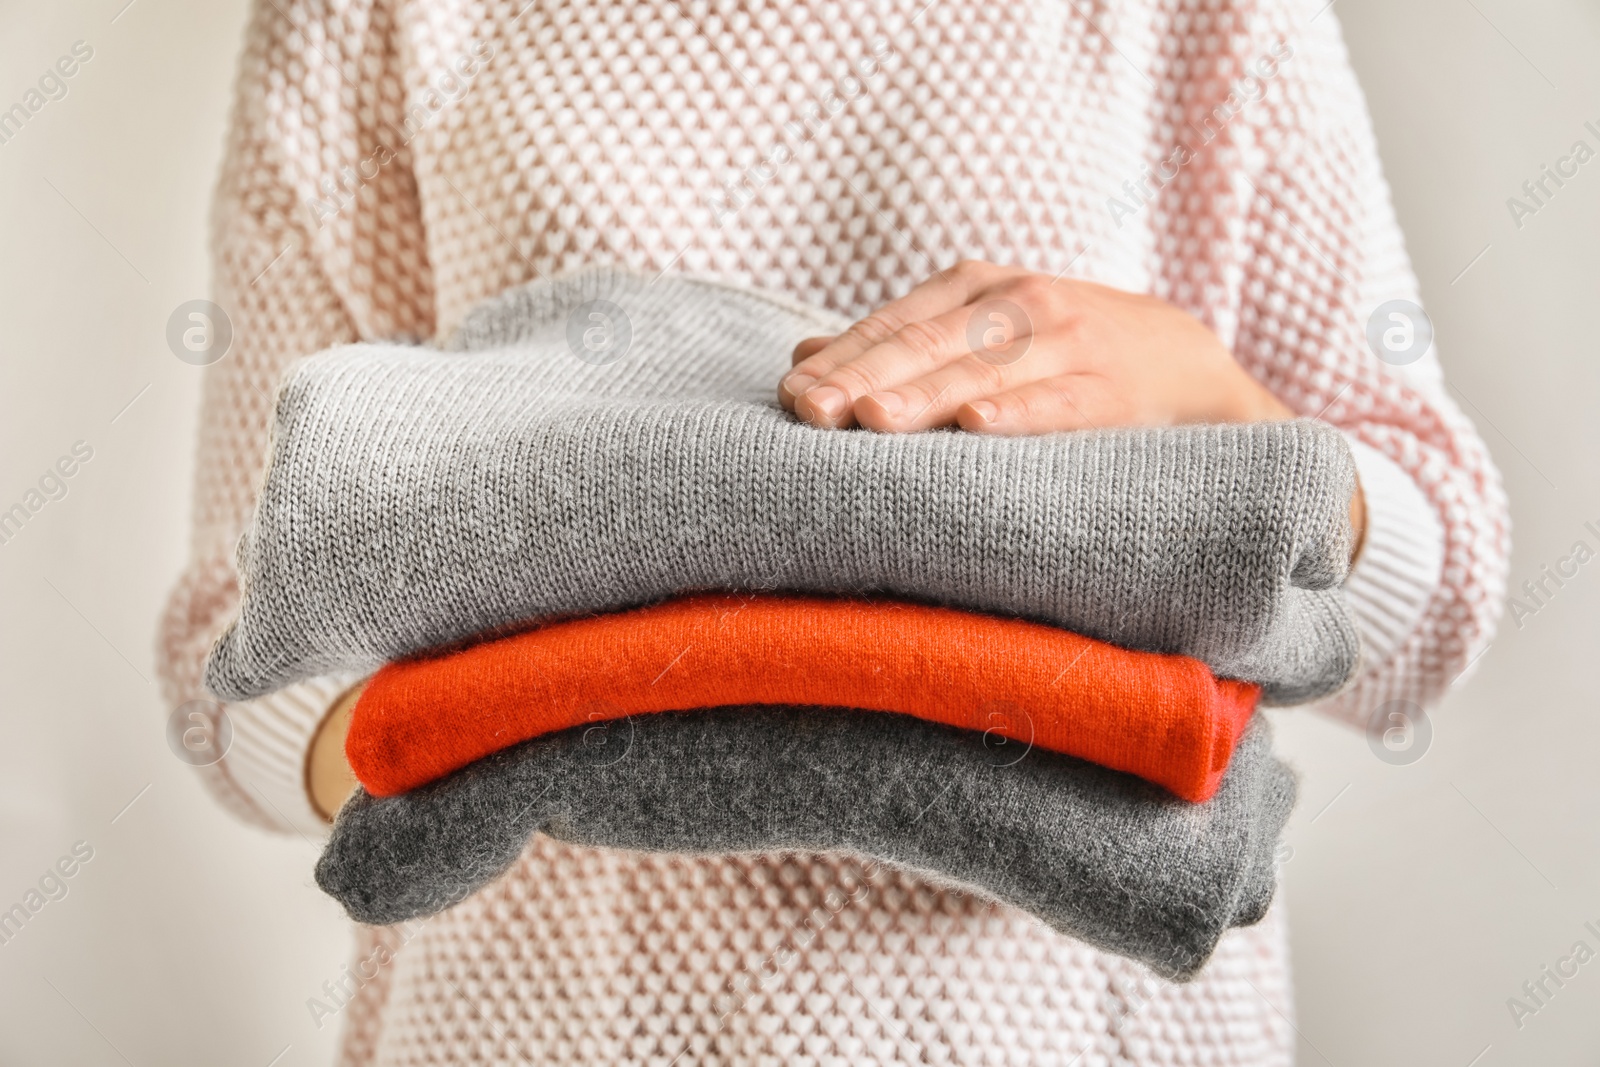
[[393, 164]]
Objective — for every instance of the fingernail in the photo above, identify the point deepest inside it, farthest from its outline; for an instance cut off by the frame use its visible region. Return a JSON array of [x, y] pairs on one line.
[[891, 403], [795, 384], [828, 402], [984, 409]]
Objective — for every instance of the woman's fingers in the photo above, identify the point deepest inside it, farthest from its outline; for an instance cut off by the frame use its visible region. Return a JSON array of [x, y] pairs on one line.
[[937, 351], [1050, 405], [808, 348], [933, 399], [802, 352], [934, 297]]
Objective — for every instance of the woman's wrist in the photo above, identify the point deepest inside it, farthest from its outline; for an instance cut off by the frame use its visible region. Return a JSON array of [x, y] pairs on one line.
[[1249, 401]]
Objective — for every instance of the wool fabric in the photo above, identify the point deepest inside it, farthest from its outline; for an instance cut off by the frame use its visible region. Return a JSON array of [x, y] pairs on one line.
[[1091, 852], [1163, 718], [415, 497]]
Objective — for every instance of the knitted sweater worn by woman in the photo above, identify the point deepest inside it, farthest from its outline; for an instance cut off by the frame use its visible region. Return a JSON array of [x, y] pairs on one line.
[[392, 165]]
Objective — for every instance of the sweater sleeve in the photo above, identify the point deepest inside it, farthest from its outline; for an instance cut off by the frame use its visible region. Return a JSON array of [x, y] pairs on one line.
[[316, 240], [1307, 239], [1402, 557]]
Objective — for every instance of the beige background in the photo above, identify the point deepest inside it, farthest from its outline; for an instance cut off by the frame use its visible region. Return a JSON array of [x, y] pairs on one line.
[[1421, 896]]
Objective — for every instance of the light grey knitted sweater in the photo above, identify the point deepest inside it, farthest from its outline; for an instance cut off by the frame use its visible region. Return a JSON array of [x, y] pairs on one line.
[[1094, 853], [598, 441]]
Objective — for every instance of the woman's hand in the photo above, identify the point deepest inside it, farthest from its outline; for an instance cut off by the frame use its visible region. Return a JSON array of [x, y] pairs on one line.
[[329, 779], [1008, 351]]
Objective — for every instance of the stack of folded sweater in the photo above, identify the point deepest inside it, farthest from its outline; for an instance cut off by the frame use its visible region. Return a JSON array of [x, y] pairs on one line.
[[629, 602]]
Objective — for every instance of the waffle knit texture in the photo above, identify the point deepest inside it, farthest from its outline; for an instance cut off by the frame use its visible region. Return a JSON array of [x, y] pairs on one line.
[[1163, 718], [614, 132], [1091, 852], [416, 497]]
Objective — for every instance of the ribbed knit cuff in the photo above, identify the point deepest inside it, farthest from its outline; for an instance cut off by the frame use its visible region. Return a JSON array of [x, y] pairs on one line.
[[272, 735], [1401, 559]]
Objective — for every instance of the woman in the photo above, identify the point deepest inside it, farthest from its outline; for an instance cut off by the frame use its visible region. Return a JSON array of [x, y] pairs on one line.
[[391, 165]]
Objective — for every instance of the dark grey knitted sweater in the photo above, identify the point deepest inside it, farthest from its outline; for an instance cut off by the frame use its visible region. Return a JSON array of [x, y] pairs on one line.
[[1094, 853]]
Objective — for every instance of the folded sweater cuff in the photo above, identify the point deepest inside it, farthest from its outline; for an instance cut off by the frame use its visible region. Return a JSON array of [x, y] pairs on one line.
[[272, 736], [1401, 558]]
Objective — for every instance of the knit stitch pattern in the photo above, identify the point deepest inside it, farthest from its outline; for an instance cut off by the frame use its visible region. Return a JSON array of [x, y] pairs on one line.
[[415, 498], [1094, 853]]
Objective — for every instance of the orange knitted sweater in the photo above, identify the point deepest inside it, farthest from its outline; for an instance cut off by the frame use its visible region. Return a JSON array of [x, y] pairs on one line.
[[1164, 718]]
